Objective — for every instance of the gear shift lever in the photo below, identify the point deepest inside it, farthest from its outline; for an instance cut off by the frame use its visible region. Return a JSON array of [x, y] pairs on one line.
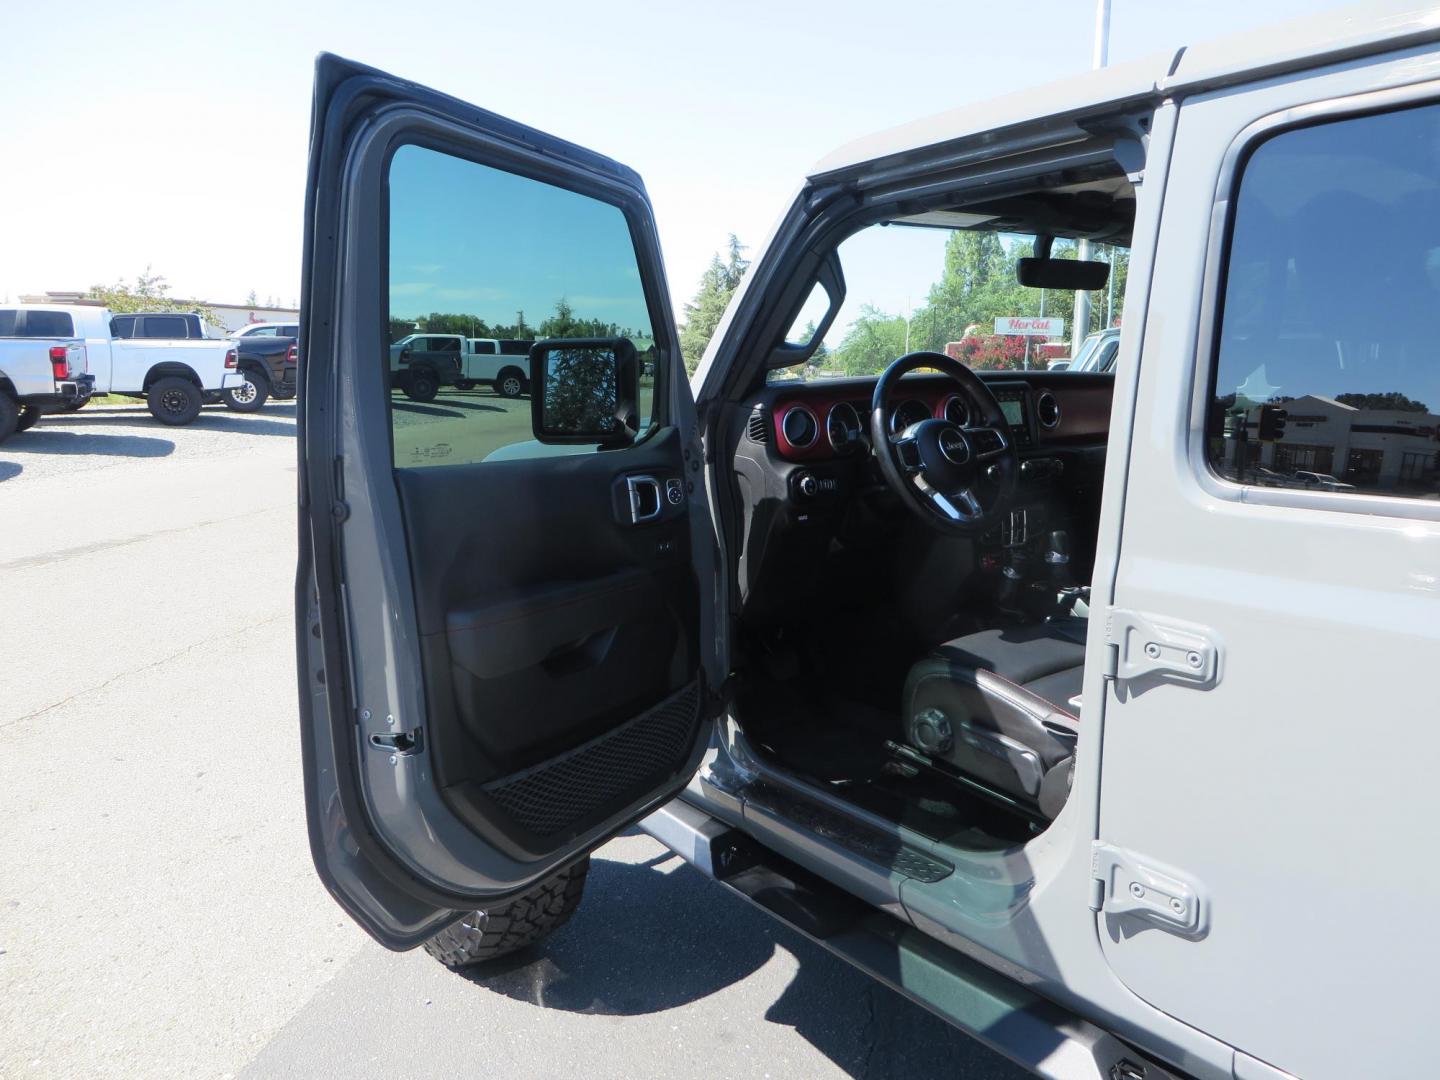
[[1057, 558]]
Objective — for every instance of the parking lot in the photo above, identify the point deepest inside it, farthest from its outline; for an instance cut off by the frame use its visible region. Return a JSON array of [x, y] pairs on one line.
[[159, 915]]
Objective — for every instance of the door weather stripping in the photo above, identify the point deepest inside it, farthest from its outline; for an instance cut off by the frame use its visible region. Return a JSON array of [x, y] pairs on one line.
[[1139, 645], [1128, 884]]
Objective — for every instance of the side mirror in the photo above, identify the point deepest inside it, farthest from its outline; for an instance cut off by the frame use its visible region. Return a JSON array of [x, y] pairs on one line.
[[1067, 274], [585, 390]]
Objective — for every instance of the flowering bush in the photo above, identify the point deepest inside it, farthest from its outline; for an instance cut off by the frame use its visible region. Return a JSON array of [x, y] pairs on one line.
[[991, 352]]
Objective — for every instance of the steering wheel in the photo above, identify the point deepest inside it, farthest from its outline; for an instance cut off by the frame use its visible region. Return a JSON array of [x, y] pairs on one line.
[[959, 479]]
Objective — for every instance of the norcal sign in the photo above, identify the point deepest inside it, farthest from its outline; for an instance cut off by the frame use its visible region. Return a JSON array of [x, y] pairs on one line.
[[1027, 326]]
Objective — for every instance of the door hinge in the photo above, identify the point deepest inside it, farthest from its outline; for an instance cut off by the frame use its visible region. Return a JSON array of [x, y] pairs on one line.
[[1124, 883], [1139, 644]]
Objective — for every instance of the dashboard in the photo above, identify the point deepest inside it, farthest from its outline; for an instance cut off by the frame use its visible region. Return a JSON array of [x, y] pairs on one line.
[[828, 421], [808, 486]]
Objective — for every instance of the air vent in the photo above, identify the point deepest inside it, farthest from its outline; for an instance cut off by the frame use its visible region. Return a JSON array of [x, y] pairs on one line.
[[757, 429], [1047, 410]]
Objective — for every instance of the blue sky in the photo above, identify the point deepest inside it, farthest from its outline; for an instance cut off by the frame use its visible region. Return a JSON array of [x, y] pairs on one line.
[[175, 135], [473, 240]]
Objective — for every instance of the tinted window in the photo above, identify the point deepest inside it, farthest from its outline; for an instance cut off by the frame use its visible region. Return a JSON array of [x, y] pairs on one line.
[[1327, 369], [166, 326], [483, 348], [7, 322], [496, 255], [289, 331], [47, 324], [122, 326]]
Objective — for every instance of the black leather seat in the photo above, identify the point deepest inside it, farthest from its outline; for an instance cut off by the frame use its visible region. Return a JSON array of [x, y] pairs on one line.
[[1002, 708]]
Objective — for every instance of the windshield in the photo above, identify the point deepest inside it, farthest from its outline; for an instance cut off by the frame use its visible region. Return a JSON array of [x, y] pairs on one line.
[[947, 290]]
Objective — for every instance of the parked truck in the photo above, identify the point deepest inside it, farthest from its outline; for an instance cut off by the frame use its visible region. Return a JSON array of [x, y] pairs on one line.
[[422, 363], [36, 370], [173, 376], [267, 363]]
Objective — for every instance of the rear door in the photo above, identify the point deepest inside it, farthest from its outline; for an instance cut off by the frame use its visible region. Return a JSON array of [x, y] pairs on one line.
[[505, 647], [1267, 806]]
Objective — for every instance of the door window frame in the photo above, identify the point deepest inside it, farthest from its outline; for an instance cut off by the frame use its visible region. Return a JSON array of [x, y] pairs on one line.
[[1217, 257]]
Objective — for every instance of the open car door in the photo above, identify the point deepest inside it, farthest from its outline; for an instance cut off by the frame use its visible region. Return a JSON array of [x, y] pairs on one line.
[[506, 608]]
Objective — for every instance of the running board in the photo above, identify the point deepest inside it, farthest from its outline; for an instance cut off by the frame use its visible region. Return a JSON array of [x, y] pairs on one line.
[[1032, 1032]]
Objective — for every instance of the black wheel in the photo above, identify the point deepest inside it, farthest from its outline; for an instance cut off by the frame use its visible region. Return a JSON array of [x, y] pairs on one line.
[[489, 935], [465, 384], [9, 415], [174, 400], [29, 417], [249, 395], [422, 386], [284, 395], [510, 383]]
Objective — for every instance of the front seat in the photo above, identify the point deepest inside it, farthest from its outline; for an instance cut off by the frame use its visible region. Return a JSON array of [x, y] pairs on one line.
[[1001, 707]]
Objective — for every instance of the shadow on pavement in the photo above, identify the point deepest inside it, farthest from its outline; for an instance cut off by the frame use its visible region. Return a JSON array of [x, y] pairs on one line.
[[10, 469], [208, 420], [39, 440], [645, 940], [426, 410]]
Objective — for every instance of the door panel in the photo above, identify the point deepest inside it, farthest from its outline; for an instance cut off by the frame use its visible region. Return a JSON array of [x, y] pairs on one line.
[[546, 625], [505, 649], [1288, 793]]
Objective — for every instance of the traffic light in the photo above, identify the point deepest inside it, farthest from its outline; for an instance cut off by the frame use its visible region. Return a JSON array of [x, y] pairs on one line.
[[1272, 423]]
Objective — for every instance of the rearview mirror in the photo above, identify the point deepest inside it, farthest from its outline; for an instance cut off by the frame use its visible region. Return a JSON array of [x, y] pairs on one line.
[[1068, 274], [584, 390]]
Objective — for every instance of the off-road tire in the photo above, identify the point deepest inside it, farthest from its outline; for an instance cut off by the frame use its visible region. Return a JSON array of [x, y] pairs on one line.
[[28, 418], [174, 400], [9, 415], [510, 383], [488, 935], [422, 386], [235, 398]]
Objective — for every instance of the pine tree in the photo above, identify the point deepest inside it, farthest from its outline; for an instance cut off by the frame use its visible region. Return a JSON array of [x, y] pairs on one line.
[[702, 314]]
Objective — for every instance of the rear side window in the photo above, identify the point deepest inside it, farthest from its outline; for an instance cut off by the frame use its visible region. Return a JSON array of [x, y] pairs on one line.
[[45, 324], [289, 331], [483, 348], [1327, 364], [166, 326], [7, 322], [513, 347], [122, 326]]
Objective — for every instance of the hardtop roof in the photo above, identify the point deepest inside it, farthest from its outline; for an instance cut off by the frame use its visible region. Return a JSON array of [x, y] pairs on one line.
[[1334, 36]]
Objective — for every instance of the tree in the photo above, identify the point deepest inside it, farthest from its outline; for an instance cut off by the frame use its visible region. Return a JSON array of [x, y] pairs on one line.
[[1392, 400], [703, 313], [250, 299], [149, 293]]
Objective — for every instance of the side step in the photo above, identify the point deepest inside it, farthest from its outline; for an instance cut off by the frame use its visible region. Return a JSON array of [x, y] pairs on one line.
[[1034, 1033]]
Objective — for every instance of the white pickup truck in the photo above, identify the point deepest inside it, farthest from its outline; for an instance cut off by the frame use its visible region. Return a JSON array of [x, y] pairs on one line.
[[172, 376], [36, 371], [422, 363]]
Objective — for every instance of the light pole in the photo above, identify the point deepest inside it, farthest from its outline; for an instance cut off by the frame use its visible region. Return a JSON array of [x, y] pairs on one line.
[[1098, 59]]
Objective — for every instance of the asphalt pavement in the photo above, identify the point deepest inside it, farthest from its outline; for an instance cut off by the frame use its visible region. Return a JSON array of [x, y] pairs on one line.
[[159, 914]]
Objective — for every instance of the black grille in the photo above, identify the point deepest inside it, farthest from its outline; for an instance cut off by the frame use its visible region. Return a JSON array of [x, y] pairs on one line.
[[756, 428], [617, 765]]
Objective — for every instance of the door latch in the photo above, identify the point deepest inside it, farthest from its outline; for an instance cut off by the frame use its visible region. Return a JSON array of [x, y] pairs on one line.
[[1126, 883], [1139, 644]]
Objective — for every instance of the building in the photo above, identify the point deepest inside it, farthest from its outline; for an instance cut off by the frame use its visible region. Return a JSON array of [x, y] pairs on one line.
[[1373, 449], [232, 316]]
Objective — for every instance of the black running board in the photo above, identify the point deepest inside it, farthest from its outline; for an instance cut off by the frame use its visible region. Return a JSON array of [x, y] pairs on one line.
[[1029, 1030]]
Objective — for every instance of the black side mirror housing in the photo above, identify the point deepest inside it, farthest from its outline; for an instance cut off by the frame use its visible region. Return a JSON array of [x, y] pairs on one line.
[[585, 390]]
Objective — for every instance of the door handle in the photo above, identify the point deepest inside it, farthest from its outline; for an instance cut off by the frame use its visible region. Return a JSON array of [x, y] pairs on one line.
[[645, 504]]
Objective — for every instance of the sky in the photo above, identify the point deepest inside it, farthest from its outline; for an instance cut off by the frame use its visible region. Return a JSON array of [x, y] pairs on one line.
[[174, 137]]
